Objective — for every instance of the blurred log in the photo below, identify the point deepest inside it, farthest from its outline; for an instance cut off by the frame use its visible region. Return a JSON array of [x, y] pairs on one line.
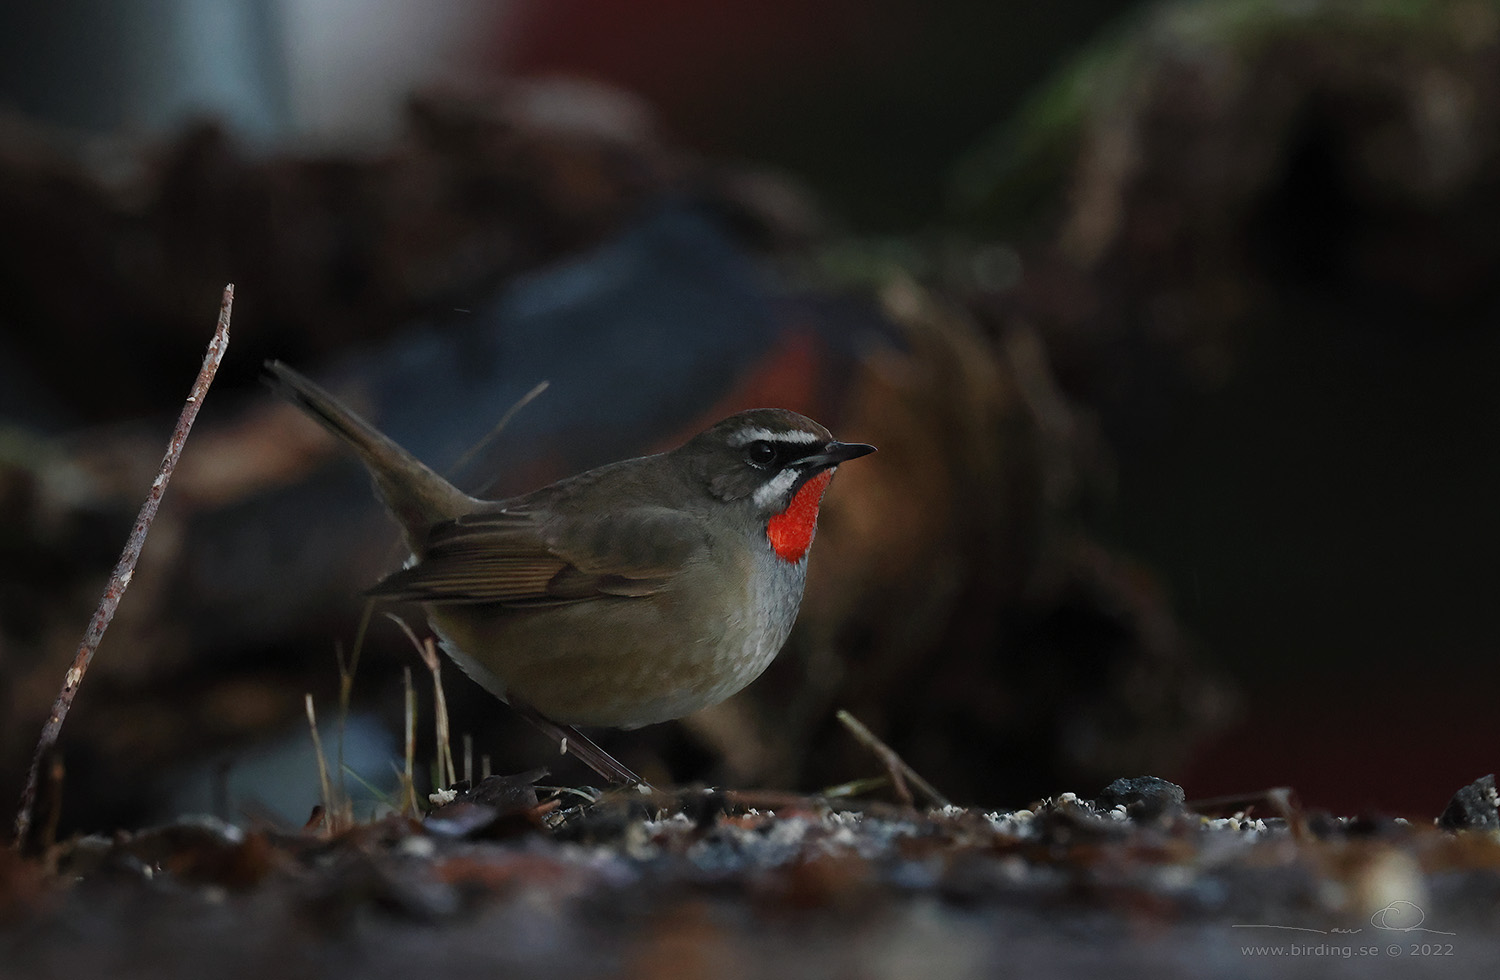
[[953, 605]]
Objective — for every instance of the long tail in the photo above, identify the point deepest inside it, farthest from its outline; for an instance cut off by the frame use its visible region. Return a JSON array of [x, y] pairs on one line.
[[416, 495]]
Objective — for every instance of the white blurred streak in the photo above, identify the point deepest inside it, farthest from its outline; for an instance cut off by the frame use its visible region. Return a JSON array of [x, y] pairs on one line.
[[206, 57], [332, 71], [351, 63]]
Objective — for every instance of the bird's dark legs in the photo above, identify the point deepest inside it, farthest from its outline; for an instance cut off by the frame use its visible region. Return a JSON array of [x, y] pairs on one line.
[[580, 746]]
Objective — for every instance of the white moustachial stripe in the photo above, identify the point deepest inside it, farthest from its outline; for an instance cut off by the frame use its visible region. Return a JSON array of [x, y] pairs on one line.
[[774, 489]]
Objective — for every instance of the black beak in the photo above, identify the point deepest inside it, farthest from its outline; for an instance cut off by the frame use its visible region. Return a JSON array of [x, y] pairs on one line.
[[835, 453]]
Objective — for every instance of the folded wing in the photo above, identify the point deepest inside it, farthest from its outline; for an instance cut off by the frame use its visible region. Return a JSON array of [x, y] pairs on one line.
[[513, 558]]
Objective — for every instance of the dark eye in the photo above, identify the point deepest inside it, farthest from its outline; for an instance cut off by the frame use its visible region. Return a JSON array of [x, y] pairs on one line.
[[760, 453]]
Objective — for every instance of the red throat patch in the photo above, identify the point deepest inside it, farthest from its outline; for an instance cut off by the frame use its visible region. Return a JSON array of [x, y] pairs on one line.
[[791, 531]]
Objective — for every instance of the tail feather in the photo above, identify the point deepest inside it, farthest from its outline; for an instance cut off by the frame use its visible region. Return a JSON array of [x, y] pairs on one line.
[[417, 496]]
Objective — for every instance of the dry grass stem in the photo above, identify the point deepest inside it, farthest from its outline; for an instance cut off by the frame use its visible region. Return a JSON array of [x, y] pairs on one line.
[[447, 774], [855, 787], [347, 670], [408, 778], [329, 811], [895, 766], [490, 436], [124, 569]]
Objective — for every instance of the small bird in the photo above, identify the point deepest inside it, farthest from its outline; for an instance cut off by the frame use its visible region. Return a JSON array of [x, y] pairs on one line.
[[633, 593]]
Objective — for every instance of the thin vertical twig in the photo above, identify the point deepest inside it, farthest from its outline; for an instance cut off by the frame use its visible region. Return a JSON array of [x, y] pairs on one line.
[[124, 569]]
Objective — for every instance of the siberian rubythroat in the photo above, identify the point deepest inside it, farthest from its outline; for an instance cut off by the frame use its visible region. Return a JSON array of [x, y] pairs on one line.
[[633, 593]]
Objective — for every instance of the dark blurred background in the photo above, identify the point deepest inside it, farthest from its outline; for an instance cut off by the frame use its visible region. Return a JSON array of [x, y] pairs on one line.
[[1176, 325]]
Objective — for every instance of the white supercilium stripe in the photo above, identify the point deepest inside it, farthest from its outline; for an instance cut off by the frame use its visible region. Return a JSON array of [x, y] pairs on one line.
[[753, 433]]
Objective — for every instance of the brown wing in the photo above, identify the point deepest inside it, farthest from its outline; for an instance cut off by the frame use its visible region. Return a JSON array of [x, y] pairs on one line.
[[513, 557]]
